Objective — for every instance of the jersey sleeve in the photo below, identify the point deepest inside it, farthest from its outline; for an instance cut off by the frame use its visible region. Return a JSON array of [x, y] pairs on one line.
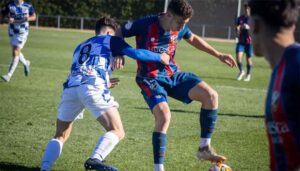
[[133, 28], [31, 10], [185, 33], [120, 47]]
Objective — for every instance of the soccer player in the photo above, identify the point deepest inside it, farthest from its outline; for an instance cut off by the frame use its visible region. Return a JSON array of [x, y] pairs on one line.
[[272, 25], [87, 87], [244, 44], [19, 15], [161, 33]]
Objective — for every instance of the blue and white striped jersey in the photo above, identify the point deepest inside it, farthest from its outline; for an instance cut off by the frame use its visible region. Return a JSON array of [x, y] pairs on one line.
[[19, 12], [92, 59]]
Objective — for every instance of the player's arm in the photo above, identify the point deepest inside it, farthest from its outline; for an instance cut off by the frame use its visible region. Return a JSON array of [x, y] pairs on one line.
[[120, 47], [201, 44], [31, 16]]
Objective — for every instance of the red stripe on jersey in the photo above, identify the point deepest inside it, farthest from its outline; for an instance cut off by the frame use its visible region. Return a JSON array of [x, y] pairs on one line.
[[285, 134], [151, 45], [171, 51], [146, 89]]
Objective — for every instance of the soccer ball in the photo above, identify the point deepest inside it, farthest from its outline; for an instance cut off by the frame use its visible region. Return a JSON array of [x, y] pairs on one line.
[[219, 167]]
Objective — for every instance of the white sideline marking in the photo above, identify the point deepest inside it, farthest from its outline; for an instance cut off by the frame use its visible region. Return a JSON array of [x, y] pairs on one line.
[[133, 77]]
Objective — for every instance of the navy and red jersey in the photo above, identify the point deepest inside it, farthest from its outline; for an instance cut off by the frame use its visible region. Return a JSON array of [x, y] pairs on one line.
[[151, 36], [244, 36], [283, 112]]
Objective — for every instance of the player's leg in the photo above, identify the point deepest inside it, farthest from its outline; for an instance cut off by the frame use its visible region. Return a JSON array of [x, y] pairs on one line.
[[55, 145], [155, 96], [162, 115], [111, 121], [100, 102], [208, 117], [13, 64], [239, 60], [22, 40], [249, 54], [70, 107]]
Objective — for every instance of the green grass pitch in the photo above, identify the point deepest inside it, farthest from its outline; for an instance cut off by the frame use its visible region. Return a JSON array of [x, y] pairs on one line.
[[28, 111]]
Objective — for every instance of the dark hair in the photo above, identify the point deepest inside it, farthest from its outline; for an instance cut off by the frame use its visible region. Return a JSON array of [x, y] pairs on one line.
[[181, 8], [106, 21], [276, 13]]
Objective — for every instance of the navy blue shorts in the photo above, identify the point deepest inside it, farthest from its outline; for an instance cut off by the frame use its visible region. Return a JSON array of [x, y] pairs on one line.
[[247, 48], [156, 90]]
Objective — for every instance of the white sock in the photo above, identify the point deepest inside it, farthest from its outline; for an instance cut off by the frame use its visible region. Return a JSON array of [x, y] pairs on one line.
[[159, 167], [204, 142], [22, 59], [13, 65], [105, 145], [52, 152]]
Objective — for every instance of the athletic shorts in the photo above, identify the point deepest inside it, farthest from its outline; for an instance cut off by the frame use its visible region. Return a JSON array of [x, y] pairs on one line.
[[18, 39], [75, 99], [245, 48], [156, 90]]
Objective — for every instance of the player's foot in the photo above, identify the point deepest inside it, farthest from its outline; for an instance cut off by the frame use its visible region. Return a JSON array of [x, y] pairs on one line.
[[208, 153], [95, 164], [27, 68], [5, 78], [248, 78], [240, 76]]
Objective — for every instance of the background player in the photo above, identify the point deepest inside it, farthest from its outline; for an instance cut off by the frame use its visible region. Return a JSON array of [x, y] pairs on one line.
[[273, 26], [244, 44], [161, 33], [19, 15], [87, 87]]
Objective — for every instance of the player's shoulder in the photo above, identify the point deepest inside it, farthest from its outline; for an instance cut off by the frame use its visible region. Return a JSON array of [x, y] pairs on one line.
[[27, 4], [149, 18], [292, 56]]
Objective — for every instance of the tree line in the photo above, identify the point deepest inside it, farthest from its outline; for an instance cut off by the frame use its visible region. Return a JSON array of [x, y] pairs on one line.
[[120, 9]]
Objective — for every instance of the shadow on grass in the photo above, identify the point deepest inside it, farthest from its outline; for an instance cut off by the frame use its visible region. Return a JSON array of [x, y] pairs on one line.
[[220, 114], [4, 166]]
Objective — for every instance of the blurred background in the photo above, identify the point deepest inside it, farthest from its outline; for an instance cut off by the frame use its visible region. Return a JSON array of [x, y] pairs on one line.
[[212, 18]]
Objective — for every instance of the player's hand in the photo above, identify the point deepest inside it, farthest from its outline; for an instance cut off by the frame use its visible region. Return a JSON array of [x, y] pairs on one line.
[[227, 59], [246, 26], [118, 62], [113, 82], [164, 59], [11, 20]]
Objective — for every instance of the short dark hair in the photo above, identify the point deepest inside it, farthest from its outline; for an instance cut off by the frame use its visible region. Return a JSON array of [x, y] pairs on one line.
[[276, 13], [105, 21], [181, 8]]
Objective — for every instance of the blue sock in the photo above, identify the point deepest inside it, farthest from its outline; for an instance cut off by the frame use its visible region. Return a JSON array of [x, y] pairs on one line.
[[208, 118], [249, 67], [240, 66], [159, 142]]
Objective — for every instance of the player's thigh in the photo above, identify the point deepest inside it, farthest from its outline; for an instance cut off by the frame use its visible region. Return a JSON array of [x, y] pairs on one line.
[[153, 90], [70, 105], [183, 82], [96, 99]]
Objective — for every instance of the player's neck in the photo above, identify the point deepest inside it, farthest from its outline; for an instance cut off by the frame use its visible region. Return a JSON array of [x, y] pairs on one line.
[[19, 2], [163, 22], [277, 46]]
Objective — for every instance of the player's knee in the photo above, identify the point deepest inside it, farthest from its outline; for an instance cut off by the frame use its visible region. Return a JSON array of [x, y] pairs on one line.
[[212, 98]]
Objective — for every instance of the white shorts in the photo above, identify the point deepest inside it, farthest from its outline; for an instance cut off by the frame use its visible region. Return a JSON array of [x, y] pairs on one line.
[[18, 40], [75, 99]]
